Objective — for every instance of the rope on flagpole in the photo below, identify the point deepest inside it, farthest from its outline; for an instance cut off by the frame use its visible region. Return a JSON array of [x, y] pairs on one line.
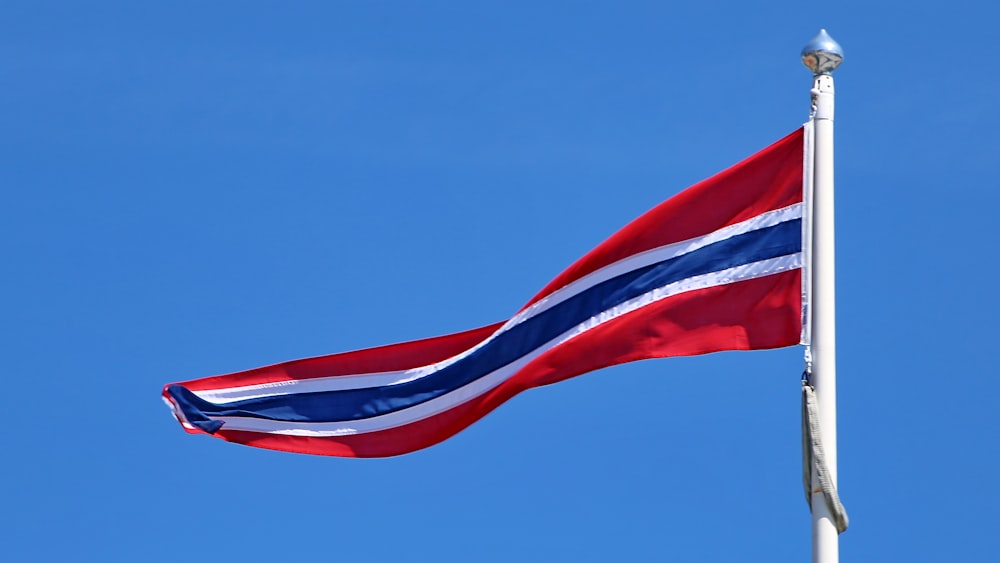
[[813, 458]]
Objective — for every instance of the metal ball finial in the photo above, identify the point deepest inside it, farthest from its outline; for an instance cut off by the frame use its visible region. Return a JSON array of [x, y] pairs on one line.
[[822, 54]]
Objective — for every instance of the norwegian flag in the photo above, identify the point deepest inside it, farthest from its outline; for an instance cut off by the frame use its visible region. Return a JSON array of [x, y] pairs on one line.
[[717, 267]]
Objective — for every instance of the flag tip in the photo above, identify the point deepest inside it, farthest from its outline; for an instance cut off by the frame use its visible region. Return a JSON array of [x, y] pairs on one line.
[[822, 54]]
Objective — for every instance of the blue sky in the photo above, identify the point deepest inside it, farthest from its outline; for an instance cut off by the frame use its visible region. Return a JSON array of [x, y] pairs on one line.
[[199, 188]]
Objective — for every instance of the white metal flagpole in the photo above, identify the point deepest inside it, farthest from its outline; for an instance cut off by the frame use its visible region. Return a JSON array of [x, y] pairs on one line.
[[822, 55]]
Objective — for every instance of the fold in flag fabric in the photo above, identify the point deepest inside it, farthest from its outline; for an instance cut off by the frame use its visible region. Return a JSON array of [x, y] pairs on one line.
[[717, 267]]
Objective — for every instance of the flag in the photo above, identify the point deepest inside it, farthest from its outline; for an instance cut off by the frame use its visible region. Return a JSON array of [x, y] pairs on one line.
[[717, 267]]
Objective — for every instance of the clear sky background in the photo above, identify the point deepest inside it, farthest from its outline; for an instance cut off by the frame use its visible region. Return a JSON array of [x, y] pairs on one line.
[[194, 188]]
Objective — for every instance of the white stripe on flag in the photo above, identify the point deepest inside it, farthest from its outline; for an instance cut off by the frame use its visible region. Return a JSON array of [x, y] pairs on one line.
[[634, 262]]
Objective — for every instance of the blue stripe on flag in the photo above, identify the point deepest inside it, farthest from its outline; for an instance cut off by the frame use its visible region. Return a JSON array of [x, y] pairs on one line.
[[353, 404]]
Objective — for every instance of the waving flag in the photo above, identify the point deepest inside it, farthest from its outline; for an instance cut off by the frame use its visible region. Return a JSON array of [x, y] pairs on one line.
[[717, 267]]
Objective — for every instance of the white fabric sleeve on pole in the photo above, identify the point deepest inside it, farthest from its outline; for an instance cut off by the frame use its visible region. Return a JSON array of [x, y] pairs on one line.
[[813, 459], [807, 235]]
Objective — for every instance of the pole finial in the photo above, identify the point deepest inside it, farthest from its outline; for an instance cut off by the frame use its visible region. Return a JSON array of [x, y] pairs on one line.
[[822, 55]]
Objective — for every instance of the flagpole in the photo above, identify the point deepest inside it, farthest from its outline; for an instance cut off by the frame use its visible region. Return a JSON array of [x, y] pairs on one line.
[[822, 55]]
